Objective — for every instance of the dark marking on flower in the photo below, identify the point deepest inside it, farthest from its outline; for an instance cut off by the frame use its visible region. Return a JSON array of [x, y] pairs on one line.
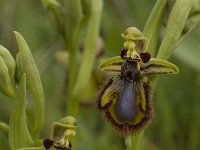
[[47, 143], [69, 146], [145, 57], [123, 52]]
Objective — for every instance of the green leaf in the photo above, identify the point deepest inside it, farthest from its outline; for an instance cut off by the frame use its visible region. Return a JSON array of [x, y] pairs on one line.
[[188, 52], [19, 135], [26, 63], [158, 66], [152, 26], [112, 64], [175, 26], [191, 24], [5, 83]]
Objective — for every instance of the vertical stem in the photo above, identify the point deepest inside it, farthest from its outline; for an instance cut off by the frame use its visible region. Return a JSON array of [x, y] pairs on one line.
[[133, 142], [88, 57], [79, 79]]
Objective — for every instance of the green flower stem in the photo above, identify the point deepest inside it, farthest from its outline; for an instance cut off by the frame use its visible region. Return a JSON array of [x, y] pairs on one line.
[[152, 26], [133, 142], [4, 127], [73, 18], [88, 58]]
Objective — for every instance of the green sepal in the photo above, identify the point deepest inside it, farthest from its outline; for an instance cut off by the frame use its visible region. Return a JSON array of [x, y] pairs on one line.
[[158, 66], [26, 64], [6, 85], [19, 135], [112, 64]]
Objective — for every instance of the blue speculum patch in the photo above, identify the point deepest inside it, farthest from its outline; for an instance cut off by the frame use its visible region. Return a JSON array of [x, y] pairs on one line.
[[126, 105]]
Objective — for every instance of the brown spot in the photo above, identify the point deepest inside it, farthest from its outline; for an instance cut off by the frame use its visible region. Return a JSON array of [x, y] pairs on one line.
[[123, 52], [47, 143], [145, 57]]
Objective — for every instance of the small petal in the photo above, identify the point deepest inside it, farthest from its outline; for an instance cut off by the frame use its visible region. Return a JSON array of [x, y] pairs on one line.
[[112, 64], [158, 66]]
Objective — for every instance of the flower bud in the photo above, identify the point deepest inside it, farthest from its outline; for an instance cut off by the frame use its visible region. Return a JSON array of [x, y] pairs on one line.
[[56, 14], [7, 72]]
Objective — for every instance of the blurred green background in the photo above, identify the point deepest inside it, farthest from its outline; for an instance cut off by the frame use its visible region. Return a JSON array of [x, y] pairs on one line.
[[176, 125]]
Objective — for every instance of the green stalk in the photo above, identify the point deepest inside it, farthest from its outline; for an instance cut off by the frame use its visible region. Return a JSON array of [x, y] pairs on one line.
[[88, 57], [4, 127], [133, 142], [73, 17]]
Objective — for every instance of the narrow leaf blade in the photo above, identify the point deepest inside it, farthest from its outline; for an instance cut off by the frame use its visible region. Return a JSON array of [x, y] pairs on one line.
[[34, 85], [19, 135]]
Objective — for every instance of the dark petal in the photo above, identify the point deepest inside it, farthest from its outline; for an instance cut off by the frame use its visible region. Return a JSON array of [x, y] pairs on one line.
[[123, 52], [145, 57], [47, 143], [126, 105]]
